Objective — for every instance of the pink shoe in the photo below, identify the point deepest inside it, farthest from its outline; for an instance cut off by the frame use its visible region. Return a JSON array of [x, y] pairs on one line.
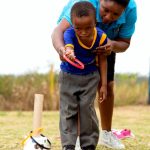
[[122, 134]]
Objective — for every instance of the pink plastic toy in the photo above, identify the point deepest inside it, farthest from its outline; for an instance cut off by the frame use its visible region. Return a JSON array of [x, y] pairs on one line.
[[122, 134], [76, 63]]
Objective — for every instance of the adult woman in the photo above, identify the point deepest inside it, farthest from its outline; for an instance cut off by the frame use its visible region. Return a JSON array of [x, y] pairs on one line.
[[117, 18]]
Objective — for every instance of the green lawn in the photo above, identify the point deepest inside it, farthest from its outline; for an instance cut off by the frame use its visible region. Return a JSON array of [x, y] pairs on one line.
[[15, 125]]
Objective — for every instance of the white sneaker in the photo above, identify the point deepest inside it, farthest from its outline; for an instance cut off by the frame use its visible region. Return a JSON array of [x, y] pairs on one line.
[[77, 147], [108, 139]]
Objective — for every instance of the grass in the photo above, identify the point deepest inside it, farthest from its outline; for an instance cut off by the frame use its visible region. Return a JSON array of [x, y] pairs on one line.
[[15, 125]]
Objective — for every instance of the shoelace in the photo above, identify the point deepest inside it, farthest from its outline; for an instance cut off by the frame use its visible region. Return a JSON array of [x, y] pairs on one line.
[[114, 137]]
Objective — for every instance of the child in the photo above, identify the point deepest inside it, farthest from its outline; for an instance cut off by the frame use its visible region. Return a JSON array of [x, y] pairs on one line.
[[78, 87]]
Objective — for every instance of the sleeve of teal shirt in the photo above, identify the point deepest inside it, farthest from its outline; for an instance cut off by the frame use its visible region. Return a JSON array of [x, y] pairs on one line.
[[128, 28], [65, 14], [66, 11]]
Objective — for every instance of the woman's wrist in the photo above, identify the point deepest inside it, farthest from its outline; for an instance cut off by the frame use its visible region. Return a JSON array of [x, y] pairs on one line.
[[61, 50]]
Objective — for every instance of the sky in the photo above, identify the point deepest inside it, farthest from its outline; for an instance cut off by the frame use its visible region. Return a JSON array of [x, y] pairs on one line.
[[25, 38]]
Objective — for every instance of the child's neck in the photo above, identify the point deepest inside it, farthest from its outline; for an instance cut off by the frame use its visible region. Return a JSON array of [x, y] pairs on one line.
[[89, 41]]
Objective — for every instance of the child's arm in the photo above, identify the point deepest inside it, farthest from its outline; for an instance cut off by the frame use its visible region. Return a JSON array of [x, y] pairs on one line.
[[69, 44], [102, 60], [103, 77], [70, 52]]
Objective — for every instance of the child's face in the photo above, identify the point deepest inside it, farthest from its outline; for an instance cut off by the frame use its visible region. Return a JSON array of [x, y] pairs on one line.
[[84, 26]]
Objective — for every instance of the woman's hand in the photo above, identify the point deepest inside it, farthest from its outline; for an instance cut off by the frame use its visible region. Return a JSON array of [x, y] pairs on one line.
[[105, 49], [61, 52]]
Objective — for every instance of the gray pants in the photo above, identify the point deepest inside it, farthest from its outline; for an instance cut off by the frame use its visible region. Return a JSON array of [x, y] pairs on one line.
[[78, 92]]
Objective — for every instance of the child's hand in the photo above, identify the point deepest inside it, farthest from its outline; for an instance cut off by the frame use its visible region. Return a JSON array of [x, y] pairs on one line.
[[102, 93], [70, 54]]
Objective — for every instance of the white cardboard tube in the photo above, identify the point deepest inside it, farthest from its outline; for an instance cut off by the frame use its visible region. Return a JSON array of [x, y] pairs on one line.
[[38, 108]]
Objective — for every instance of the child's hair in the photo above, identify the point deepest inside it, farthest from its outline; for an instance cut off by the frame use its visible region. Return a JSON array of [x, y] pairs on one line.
[[123, 3], [83, 8]]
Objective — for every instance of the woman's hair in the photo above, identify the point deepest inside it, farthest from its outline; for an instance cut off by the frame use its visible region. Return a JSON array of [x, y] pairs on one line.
[[123, 3], [83, 8]]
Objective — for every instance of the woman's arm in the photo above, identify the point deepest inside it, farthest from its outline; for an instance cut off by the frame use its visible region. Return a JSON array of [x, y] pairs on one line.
[[57, 36], [117, 46]]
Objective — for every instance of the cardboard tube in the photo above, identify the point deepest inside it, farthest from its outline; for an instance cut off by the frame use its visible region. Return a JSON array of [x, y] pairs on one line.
[[37, 115]]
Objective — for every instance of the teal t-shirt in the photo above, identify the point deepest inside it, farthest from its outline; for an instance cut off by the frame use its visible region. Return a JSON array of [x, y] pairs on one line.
[[124, 27]]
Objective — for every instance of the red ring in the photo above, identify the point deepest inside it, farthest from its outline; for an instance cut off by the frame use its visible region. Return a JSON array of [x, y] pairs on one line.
[[78, 63]]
